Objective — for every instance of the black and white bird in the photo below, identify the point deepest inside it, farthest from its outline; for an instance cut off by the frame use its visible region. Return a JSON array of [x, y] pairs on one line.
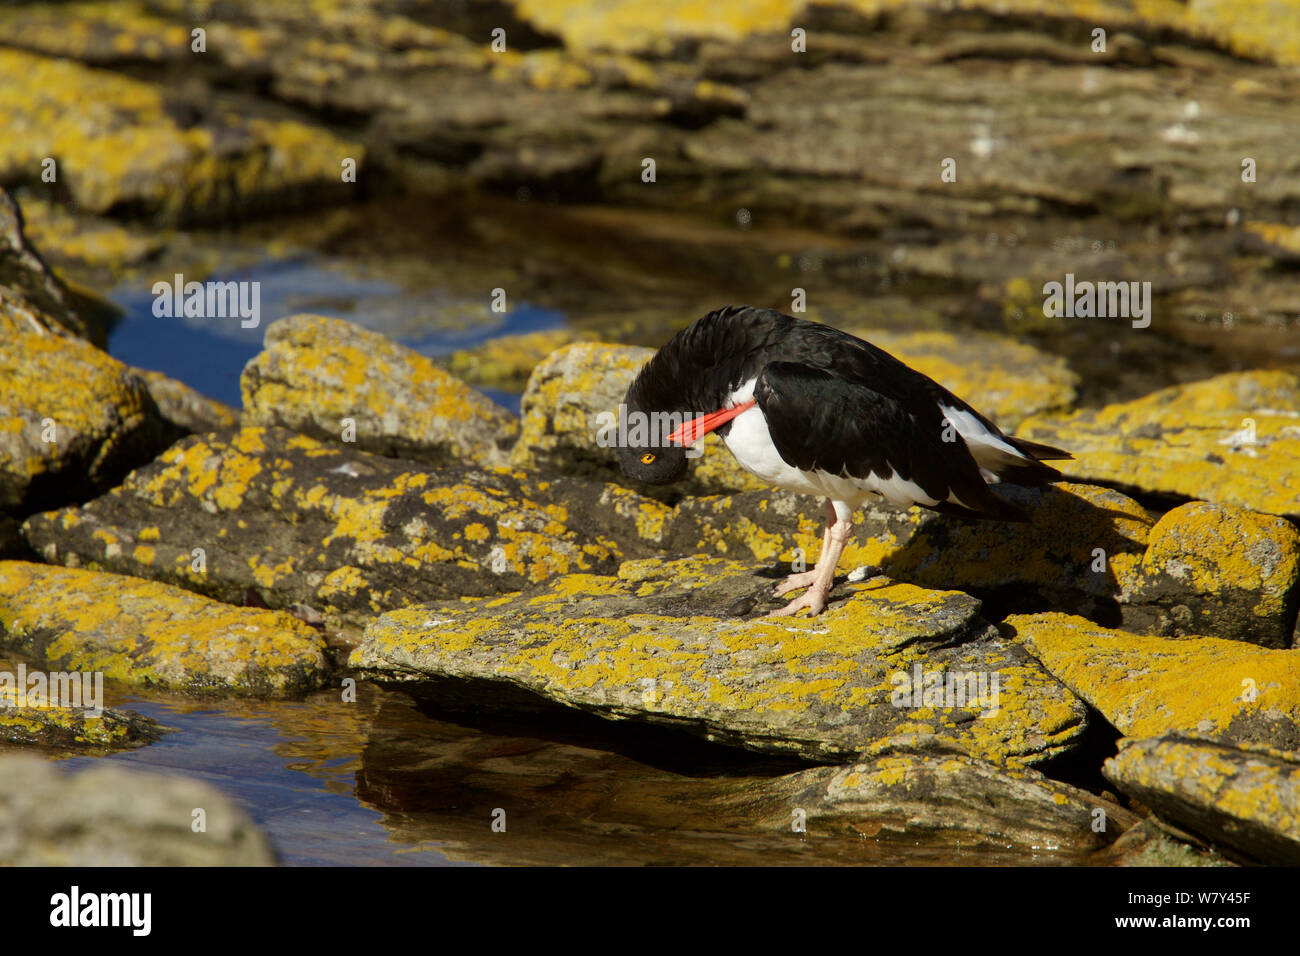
[[809, 408]]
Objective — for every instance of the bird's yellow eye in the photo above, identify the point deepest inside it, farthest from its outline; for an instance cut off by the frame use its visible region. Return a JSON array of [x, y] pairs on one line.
[[647, 459]]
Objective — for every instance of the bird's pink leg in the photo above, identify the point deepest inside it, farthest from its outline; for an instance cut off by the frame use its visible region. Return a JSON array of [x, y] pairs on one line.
[[802, 579], [814, 599]]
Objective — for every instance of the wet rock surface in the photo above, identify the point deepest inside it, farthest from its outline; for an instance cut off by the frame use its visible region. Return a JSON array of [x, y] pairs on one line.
[[1245, 799], [668, 643], [111, 816], [318, 374]]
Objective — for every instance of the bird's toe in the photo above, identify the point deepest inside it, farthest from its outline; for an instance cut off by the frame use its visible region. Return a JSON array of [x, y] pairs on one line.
[[814, 599], [794, 582]]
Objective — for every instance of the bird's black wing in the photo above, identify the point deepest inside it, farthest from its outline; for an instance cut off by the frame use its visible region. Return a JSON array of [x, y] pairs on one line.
[[820, 420]]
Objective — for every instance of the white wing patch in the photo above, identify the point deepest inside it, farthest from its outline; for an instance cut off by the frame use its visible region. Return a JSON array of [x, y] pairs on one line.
[[988, 448]]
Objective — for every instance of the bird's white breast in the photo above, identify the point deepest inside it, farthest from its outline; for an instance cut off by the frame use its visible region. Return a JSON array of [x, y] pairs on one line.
[[750, 442]]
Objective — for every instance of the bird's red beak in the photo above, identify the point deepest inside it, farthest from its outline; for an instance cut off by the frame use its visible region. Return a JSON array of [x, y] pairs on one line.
[[701, 425]]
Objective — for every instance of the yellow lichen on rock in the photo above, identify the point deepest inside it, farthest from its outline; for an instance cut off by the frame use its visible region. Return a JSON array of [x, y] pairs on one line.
[[1234, 439], [661, 642], [145, 633], [115, 144], [1223, 571], [1147, 686], [318, 373], [67, 409], [1244, 796]]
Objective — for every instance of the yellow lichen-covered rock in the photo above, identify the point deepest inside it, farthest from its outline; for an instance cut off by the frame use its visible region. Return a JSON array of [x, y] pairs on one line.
[[1223, 571], [347, 533], [144, 633], [34, 720], [1256, 30], [671, 643], [1245, 798], [919, 788], [508, 361], [116, 145], [94, 248], [1234, 439], [1005, 379], [73, 420], [315, 372], [1147, 686]]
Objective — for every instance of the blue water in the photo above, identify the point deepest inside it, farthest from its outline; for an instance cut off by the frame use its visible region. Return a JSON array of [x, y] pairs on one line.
[[208, 354], [307, 821]]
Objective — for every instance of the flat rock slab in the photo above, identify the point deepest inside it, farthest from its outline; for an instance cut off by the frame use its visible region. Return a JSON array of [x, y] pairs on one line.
[[1233, 439], [317, 373], [349, 534], [665, 643], [110, 815], [1148, 686], [118, 145], [927, 792], [73, 420], [148, 634], [1203, 568], [1244, 798]]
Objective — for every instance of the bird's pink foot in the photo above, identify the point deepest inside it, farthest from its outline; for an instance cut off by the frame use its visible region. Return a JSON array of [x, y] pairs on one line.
[[814, 599], [794, 582]]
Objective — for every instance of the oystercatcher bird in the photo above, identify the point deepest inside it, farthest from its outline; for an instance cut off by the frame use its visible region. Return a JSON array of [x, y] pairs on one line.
[[815, 410]]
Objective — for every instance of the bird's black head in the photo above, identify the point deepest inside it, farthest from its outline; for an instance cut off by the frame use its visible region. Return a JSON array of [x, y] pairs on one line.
[[644, 453]]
